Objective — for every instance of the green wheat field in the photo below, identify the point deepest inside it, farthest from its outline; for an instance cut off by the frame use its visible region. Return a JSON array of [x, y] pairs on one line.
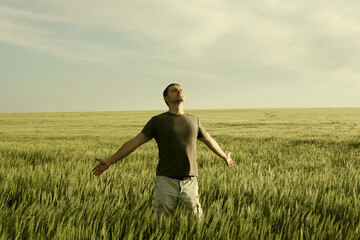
[[297, 176]]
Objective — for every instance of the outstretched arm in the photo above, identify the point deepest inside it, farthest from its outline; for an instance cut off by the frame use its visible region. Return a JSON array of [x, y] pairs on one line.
[[214, 146], [123, 151]]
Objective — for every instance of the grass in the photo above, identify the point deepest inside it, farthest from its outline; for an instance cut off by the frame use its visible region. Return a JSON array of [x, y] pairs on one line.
[[297, 176]]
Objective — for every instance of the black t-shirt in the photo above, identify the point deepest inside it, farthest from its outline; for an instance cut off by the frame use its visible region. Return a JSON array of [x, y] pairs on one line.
[[176, 137]]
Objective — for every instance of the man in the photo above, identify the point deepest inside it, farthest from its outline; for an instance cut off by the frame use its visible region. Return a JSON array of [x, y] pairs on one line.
[[176, 133]]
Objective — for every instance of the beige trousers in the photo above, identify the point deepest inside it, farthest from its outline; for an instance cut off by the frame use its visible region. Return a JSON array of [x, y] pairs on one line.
[[168, 191]]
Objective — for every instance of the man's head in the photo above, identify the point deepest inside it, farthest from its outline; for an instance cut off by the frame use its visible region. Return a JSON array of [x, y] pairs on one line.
[[173, 93]]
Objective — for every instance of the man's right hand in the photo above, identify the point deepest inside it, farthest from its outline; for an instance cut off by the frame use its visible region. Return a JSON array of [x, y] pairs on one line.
[[228, 160], [101, 167]]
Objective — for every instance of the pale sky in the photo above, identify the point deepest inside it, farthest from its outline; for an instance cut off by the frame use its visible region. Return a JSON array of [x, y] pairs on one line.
[[87, 55]]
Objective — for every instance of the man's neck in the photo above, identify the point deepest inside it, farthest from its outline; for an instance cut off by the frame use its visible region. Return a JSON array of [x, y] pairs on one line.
[[176, 109]]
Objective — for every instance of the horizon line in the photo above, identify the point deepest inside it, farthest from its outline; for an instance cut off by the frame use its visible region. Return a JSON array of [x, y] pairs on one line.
[[190, 109]]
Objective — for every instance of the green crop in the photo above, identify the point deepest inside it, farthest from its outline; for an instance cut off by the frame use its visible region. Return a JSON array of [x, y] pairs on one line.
[[297, 176]]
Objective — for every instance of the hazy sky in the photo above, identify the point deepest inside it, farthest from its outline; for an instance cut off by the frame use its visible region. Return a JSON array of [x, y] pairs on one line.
[[86, 55]]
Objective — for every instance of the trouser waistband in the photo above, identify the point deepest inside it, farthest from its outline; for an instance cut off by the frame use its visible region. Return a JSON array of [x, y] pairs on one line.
[[181, 178]]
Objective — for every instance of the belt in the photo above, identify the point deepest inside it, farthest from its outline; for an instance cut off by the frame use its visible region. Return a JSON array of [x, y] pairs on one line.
[[181, 178]]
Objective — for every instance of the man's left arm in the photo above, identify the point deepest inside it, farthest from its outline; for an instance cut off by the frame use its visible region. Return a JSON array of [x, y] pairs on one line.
[[214, 146]]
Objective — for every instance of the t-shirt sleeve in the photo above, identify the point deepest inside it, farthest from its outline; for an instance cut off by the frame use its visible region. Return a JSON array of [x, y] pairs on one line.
[[201, 132], [149, 128]]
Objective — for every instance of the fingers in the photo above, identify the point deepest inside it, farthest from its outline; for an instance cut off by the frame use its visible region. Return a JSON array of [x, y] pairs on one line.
[[97, 173], [230, 162], [98, 169]]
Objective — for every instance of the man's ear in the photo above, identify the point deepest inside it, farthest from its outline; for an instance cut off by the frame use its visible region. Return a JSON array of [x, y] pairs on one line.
[[166, 99]]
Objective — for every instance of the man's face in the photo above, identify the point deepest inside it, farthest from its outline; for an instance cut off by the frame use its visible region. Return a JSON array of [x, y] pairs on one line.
[[175, 94]]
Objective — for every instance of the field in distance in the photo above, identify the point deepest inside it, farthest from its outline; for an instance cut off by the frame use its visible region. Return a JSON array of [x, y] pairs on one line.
[[297, 175]]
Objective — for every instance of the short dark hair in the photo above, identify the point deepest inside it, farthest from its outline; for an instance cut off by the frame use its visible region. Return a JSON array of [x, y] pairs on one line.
[[166, 91]]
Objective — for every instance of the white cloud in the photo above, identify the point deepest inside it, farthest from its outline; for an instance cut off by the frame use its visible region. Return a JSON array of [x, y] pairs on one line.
[[185, 27], [22, 28], [307, 37], [41, 40], [18, 13], [304, 38]]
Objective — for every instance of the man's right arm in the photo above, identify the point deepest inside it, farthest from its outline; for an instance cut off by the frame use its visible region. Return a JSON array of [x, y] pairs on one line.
[[123, 151]]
